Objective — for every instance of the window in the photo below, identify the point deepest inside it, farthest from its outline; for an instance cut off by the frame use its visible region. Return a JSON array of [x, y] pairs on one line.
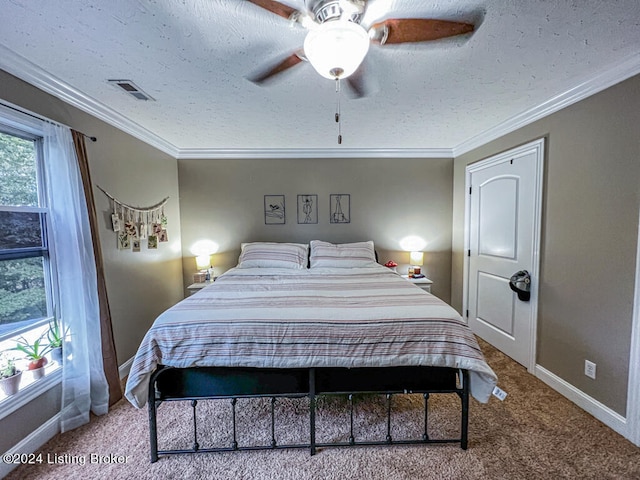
[[27, 289], [26, 293]]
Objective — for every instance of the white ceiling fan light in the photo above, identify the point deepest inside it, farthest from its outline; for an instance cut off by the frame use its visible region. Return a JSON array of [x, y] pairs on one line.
[[336, 43], [336, 48]]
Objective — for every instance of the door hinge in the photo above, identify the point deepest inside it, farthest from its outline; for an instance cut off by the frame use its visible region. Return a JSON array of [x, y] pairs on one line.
[[470, 190], [467, 313], [469, 253]]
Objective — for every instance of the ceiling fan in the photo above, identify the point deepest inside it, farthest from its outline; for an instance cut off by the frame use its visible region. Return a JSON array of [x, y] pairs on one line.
[[337, 42]]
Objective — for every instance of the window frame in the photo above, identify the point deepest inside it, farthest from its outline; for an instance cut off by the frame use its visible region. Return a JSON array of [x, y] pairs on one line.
[[20, 125]]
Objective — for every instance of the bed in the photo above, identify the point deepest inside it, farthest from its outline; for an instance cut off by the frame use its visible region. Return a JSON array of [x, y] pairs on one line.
[[298, 320]]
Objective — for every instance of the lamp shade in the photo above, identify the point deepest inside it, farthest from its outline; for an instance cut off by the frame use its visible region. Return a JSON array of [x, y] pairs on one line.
[[416, 258], [336, 48], [203, 262]]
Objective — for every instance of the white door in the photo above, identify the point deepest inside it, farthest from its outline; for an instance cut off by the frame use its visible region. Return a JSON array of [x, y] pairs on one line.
[[503, 225]]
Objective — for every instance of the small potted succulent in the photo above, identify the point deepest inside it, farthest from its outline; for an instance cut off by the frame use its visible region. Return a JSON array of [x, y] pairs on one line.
[[34, 352], [10, 376], [56, 340]]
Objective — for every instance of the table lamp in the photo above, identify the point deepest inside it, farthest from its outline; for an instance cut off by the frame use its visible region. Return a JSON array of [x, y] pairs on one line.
[[417, 260]]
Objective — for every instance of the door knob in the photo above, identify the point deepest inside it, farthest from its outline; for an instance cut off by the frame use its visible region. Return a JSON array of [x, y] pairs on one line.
[[520, 282]]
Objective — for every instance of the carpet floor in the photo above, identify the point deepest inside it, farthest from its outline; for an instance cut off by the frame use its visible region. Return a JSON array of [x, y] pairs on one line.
[[535, 433]]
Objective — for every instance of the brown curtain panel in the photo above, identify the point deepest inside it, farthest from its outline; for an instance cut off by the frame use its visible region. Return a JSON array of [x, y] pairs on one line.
[[106, 329]]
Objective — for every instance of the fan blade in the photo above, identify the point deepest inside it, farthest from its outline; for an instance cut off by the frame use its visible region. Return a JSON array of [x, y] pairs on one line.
[[276, 7], [408, 30], [291, 61]]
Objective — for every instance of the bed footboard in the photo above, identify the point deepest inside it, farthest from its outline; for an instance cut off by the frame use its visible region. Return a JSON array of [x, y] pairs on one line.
[[211, 383]]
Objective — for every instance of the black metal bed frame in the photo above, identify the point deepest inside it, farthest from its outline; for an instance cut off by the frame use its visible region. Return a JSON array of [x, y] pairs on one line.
[[214, 383]]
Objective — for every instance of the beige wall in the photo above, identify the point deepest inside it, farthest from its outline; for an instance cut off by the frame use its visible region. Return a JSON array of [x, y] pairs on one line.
[[139, 285], [590, 225], [222, 200], [30, 417]]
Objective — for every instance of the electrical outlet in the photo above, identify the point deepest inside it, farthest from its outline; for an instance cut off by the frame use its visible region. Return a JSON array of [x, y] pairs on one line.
[[590, 369]]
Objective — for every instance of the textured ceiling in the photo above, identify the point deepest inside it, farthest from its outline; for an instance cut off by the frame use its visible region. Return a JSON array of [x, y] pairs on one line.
[[193, 57]]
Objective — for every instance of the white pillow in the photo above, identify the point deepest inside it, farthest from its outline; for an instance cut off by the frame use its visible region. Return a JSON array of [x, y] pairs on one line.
[[273, 255], [344, 255]]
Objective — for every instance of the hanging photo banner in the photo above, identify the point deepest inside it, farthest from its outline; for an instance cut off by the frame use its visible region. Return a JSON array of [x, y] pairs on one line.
[[133, 224]]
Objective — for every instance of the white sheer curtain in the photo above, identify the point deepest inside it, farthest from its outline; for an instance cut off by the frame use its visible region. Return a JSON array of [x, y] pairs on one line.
[[84, 385]]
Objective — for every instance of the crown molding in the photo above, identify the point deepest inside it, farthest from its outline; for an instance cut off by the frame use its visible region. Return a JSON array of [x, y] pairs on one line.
[[612, 75], [235, 153], [25, 70]]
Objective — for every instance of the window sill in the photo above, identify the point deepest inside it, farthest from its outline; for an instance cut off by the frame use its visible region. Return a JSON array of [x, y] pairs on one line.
[[30, 389]]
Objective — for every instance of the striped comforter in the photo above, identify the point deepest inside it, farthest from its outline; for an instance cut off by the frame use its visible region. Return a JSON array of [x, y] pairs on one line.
[[321, 317]]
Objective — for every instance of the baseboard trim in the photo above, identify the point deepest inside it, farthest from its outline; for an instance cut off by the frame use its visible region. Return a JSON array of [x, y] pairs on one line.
[[32, 442], [612, 419], [125, 368]]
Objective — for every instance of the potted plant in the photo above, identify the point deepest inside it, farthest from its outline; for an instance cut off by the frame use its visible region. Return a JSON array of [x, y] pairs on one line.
[[10, 376], [34, 352], [56, 339]]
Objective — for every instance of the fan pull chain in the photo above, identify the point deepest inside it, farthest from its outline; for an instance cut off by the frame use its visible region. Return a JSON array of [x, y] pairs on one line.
[[338, 111]]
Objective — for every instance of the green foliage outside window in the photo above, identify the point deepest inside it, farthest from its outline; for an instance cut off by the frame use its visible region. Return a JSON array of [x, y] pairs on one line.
[[22, 290], [18, 180], [22, 285]]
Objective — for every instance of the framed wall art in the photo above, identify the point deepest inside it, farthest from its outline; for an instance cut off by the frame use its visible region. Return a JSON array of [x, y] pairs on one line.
[[274, 211], [340, 208], [307, 209]]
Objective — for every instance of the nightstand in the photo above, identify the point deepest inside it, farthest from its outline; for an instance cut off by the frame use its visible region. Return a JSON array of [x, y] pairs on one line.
[[423, 283], [196, 287]]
